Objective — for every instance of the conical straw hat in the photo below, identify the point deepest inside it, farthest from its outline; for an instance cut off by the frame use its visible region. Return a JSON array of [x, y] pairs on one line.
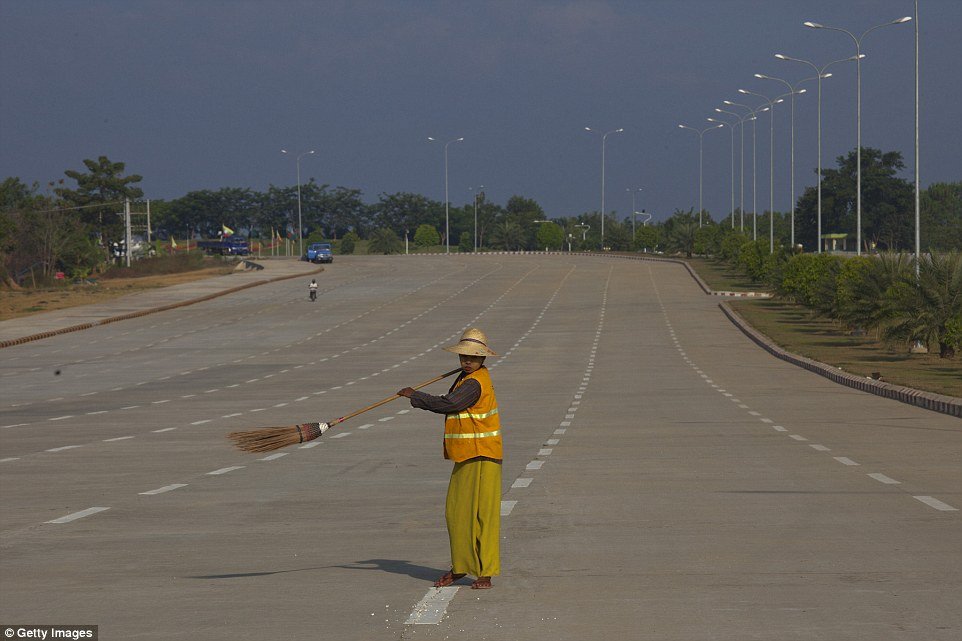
[[473, 343]]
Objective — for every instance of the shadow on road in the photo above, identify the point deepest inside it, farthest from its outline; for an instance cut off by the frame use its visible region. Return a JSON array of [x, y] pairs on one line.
[[383, 565]]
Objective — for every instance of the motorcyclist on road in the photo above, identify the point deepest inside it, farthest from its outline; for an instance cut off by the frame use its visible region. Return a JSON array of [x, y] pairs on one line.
[[313, 289]]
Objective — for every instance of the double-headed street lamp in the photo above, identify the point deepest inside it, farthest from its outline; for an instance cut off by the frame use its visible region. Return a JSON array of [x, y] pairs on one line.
[[701, 138], [858, 115], [300, 226], [792, 91], [771, 163], [603, 139], [731, 129], [754, 117], [741, 181], [447, 219], [820, 73]]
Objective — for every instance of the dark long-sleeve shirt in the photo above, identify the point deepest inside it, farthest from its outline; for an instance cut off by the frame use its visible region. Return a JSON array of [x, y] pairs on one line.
[[456, 400]]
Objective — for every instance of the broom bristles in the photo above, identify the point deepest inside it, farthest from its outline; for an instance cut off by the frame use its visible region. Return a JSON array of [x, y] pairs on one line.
[[274, 438]]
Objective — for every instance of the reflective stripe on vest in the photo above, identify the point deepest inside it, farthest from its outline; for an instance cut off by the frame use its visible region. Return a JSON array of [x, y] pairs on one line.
[[448, 417], [475, 435]]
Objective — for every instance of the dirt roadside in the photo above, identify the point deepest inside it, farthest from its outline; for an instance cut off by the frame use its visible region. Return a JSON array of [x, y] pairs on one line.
[[17, 304]]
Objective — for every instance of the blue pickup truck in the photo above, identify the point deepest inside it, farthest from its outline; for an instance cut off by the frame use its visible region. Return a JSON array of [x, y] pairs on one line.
[[319, 253]]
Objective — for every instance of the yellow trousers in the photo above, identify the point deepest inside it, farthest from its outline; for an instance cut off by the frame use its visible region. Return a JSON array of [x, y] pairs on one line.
[[473, 514]]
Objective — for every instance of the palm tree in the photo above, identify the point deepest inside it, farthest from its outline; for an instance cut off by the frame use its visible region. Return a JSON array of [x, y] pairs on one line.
[[508, 234], [872, 301], [930, 308]]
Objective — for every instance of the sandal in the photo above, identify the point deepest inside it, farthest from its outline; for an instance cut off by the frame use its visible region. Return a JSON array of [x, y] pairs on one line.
[[483, 583], [448, 579]]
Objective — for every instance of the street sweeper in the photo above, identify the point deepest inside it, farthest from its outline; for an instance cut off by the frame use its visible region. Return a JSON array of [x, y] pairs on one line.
[[472, 439]]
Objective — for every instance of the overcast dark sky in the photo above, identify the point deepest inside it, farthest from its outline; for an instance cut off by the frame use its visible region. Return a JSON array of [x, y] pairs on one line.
[[203, 94]]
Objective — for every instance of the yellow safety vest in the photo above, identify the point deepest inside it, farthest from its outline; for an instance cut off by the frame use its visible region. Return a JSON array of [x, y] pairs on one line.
[[475, 431]]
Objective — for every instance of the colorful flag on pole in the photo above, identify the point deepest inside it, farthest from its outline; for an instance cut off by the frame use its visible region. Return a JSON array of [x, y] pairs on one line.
[[173, 243], [227, 230]]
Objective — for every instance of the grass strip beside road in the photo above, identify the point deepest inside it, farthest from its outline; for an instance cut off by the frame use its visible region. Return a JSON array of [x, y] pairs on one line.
[[796, 330], [721, 277]]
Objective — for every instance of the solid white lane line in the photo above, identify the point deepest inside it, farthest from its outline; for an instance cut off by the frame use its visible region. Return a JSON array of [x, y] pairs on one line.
[[844, 460], [507, 506], [430, 609], [161, 490], [225, 470], [78, 515], [65, 447], [937, 504], [272, 457], [521, 482], [881, 478]]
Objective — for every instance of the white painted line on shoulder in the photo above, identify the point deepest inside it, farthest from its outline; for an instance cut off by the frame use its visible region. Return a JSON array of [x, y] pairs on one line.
[[844, 460], [161, 490], [820, 448], [65, 447], [937, 504], [430, 609], [78, 515], [534, 465], [507, 506], [272, 457], [881, 478], [522, 482], [225, 470], [119, 438]]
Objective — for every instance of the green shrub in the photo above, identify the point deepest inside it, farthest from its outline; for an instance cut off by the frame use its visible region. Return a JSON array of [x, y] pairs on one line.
[[348, 242]]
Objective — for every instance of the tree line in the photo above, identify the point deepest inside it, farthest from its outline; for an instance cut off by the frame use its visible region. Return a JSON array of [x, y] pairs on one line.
[[68, 224]]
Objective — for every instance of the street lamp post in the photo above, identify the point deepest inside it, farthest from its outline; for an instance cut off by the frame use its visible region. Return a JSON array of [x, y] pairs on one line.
[[701, 137], [633, 192], [754, 117], [858, 115], [447, 218], [819, 74], [741, 181], [731, 129], [771, 164], [477, 192], [603, 139], [792, 91], [300, 225]]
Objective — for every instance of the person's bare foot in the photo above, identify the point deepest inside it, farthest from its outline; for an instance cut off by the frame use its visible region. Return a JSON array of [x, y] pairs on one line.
[[448, 579], [482, 583]]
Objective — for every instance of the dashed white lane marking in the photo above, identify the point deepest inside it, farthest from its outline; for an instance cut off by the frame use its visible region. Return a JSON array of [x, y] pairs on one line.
[[365, 426], [545, 451], [206, 420], [9, 458], [341, 435], [65, 447], [844, 460], [78, 515], [552, 441], [166, 429], [881, 478], [797, 437], [386, 418], [507, 506], [308, 446], [232, 415], [430, 610], [225, 470], [560, 431], [779, 428], [118, 438], [525, 482], [534, 465], [820, 448], [273, 457], [161, 490], [937, 504]]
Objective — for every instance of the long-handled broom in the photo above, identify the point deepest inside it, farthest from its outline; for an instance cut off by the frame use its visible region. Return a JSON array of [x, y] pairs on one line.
[[274, 438]]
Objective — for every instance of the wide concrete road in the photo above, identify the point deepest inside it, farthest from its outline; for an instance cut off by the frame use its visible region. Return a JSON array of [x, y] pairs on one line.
[[664, 478]]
